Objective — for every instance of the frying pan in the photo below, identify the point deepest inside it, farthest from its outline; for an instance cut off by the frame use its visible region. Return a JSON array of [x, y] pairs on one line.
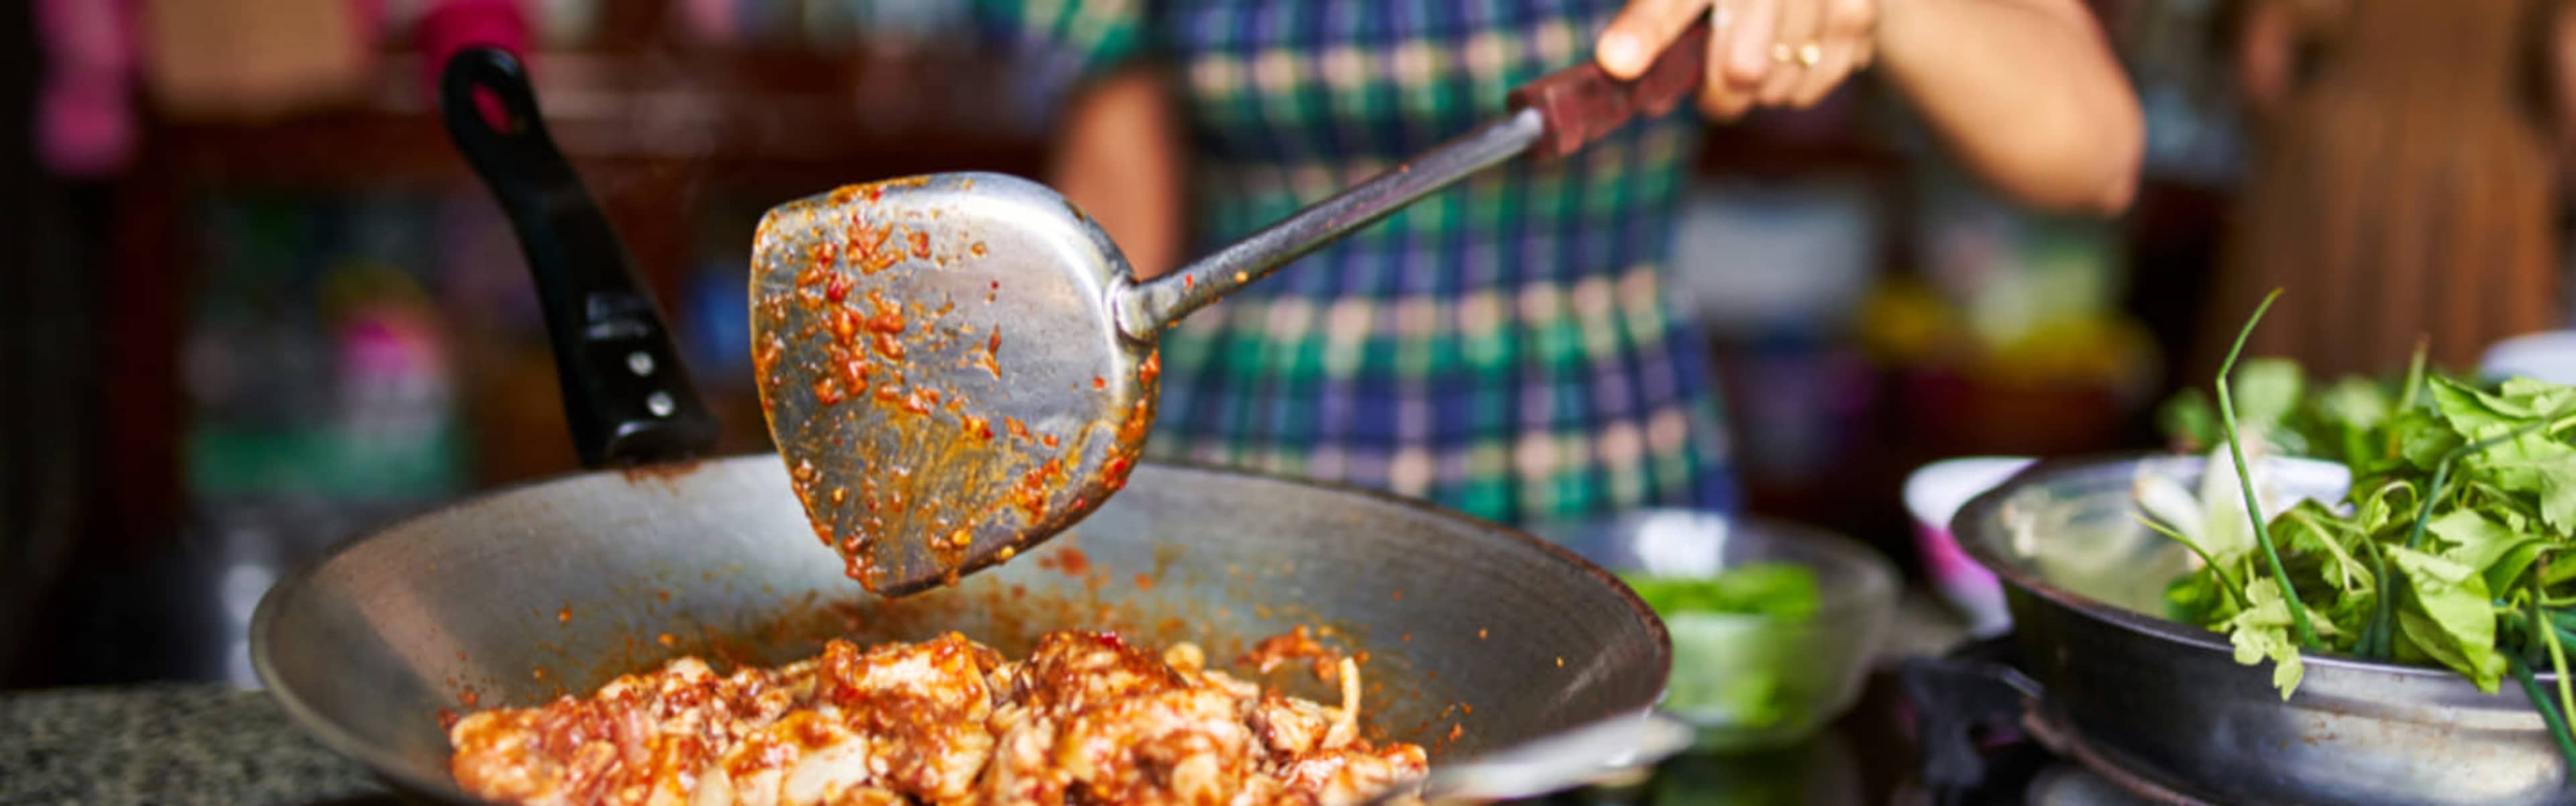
[[1478, 636]]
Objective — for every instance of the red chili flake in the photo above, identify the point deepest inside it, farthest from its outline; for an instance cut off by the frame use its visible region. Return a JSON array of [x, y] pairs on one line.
[[844, 324], [920, 244], [889, 315]]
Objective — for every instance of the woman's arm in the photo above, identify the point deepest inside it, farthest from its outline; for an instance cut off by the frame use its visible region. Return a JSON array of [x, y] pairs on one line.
[[1119, 159], [2024, 91]]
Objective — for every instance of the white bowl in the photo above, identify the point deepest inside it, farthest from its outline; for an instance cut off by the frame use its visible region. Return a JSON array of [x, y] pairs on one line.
[[2548, 356], [1934, 493]]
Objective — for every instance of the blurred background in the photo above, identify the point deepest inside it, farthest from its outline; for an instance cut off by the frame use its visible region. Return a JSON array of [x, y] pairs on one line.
[[255, 303]]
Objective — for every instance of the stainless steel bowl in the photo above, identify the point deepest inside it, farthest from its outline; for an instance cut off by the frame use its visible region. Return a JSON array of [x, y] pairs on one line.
[[2168, 701]]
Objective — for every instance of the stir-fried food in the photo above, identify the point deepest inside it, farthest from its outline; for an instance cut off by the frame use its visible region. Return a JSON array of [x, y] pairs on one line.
[[1085, 719]]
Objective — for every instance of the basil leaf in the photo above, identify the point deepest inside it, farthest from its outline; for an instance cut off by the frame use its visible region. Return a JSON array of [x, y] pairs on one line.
[[2447, 615]]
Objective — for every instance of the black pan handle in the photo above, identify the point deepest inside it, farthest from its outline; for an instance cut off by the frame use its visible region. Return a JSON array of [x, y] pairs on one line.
[[626, 395], [1973, 687]]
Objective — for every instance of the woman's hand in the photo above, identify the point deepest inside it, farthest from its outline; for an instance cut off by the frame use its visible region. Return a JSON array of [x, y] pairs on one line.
[[1761, 52], [2025, 92]]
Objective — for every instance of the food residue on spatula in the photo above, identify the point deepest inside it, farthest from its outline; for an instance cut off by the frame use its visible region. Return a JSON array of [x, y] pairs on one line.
[[896, 372]]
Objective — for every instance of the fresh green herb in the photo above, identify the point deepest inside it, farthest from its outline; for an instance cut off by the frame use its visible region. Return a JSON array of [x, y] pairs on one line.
[[2245, 479], [2445, 549]]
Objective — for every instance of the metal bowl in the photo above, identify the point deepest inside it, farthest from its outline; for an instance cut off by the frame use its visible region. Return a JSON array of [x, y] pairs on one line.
[[2168, 702]]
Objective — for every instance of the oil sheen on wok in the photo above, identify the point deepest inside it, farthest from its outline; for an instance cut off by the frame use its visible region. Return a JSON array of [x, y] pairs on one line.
[[1086, 718]]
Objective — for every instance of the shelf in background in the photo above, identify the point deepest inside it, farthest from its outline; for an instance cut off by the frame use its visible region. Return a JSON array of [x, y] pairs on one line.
[[756, 116]]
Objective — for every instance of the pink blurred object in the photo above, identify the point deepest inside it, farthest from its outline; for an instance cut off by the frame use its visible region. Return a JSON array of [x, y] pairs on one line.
[[1933, 494], [459, 24], [710, 22], [85, 117]]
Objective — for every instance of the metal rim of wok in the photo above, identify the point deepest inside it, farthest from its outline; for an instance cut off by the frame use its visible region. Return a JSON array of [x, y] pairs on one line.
[[1986, 507], [387, 764]]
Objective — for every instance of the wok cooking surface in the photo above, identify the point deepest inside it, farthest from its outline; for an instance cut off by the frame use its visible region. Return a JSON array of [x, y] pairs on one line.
[[1477, 636]]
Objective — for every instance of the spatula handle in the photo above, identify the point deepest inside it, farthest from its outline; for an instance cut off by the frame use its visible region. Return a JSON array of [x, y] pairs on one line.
[[626, 396], [1583, 103], [1144, 310], [1554, 116]]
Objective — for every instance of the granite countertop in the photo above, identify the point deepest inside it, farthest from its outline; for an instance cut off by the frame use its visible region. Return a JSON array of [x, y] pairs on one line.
[[167, 745]]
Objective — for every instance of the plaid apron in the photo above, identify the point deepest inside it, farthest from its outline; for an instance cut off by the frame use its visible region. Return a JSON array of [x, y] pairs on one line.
[[1507, 348]]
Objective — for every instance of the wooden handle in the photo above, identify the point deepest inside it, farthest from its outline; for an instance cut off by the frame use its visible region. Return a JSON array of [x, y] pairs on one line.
[[1582, 103]]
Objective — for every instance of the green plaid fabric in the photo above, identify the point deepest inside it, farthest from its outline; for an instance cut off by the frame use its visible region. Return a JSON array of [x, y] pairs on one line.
[[1507, 348]]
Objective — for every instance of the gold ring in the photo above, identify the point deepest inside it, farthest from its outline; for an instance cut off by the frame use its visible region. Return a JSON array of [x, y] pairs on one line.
[[1806, 55]]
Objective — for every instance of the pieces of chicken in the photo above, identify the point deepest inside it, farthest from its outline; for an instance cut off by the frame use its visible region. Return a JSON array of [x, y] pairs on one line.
[[1086, 719]]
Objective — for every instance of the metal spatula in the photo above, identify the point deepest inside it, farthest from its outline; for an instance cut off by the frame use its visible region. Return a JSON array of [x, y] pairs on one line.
[[956, 367]]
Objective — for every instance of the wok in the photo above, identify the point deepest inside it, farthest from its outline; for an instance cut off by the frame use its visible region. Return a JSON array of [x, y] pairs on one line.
[[1477, 636], [2166, 702]]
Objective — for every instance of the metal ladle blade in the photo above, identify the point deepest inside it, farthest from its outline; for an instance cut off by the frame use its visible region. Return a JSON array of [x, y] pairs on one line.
[[957, 367]]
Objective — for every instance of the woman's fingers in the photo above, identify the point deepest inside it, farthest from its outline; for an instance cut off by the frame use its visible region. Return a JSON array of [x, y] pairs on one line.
[[1761, 52], [1641, 31], [1831, 68], [1751, 27], [1719, 98], [1796, 50], [1847, 28]]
